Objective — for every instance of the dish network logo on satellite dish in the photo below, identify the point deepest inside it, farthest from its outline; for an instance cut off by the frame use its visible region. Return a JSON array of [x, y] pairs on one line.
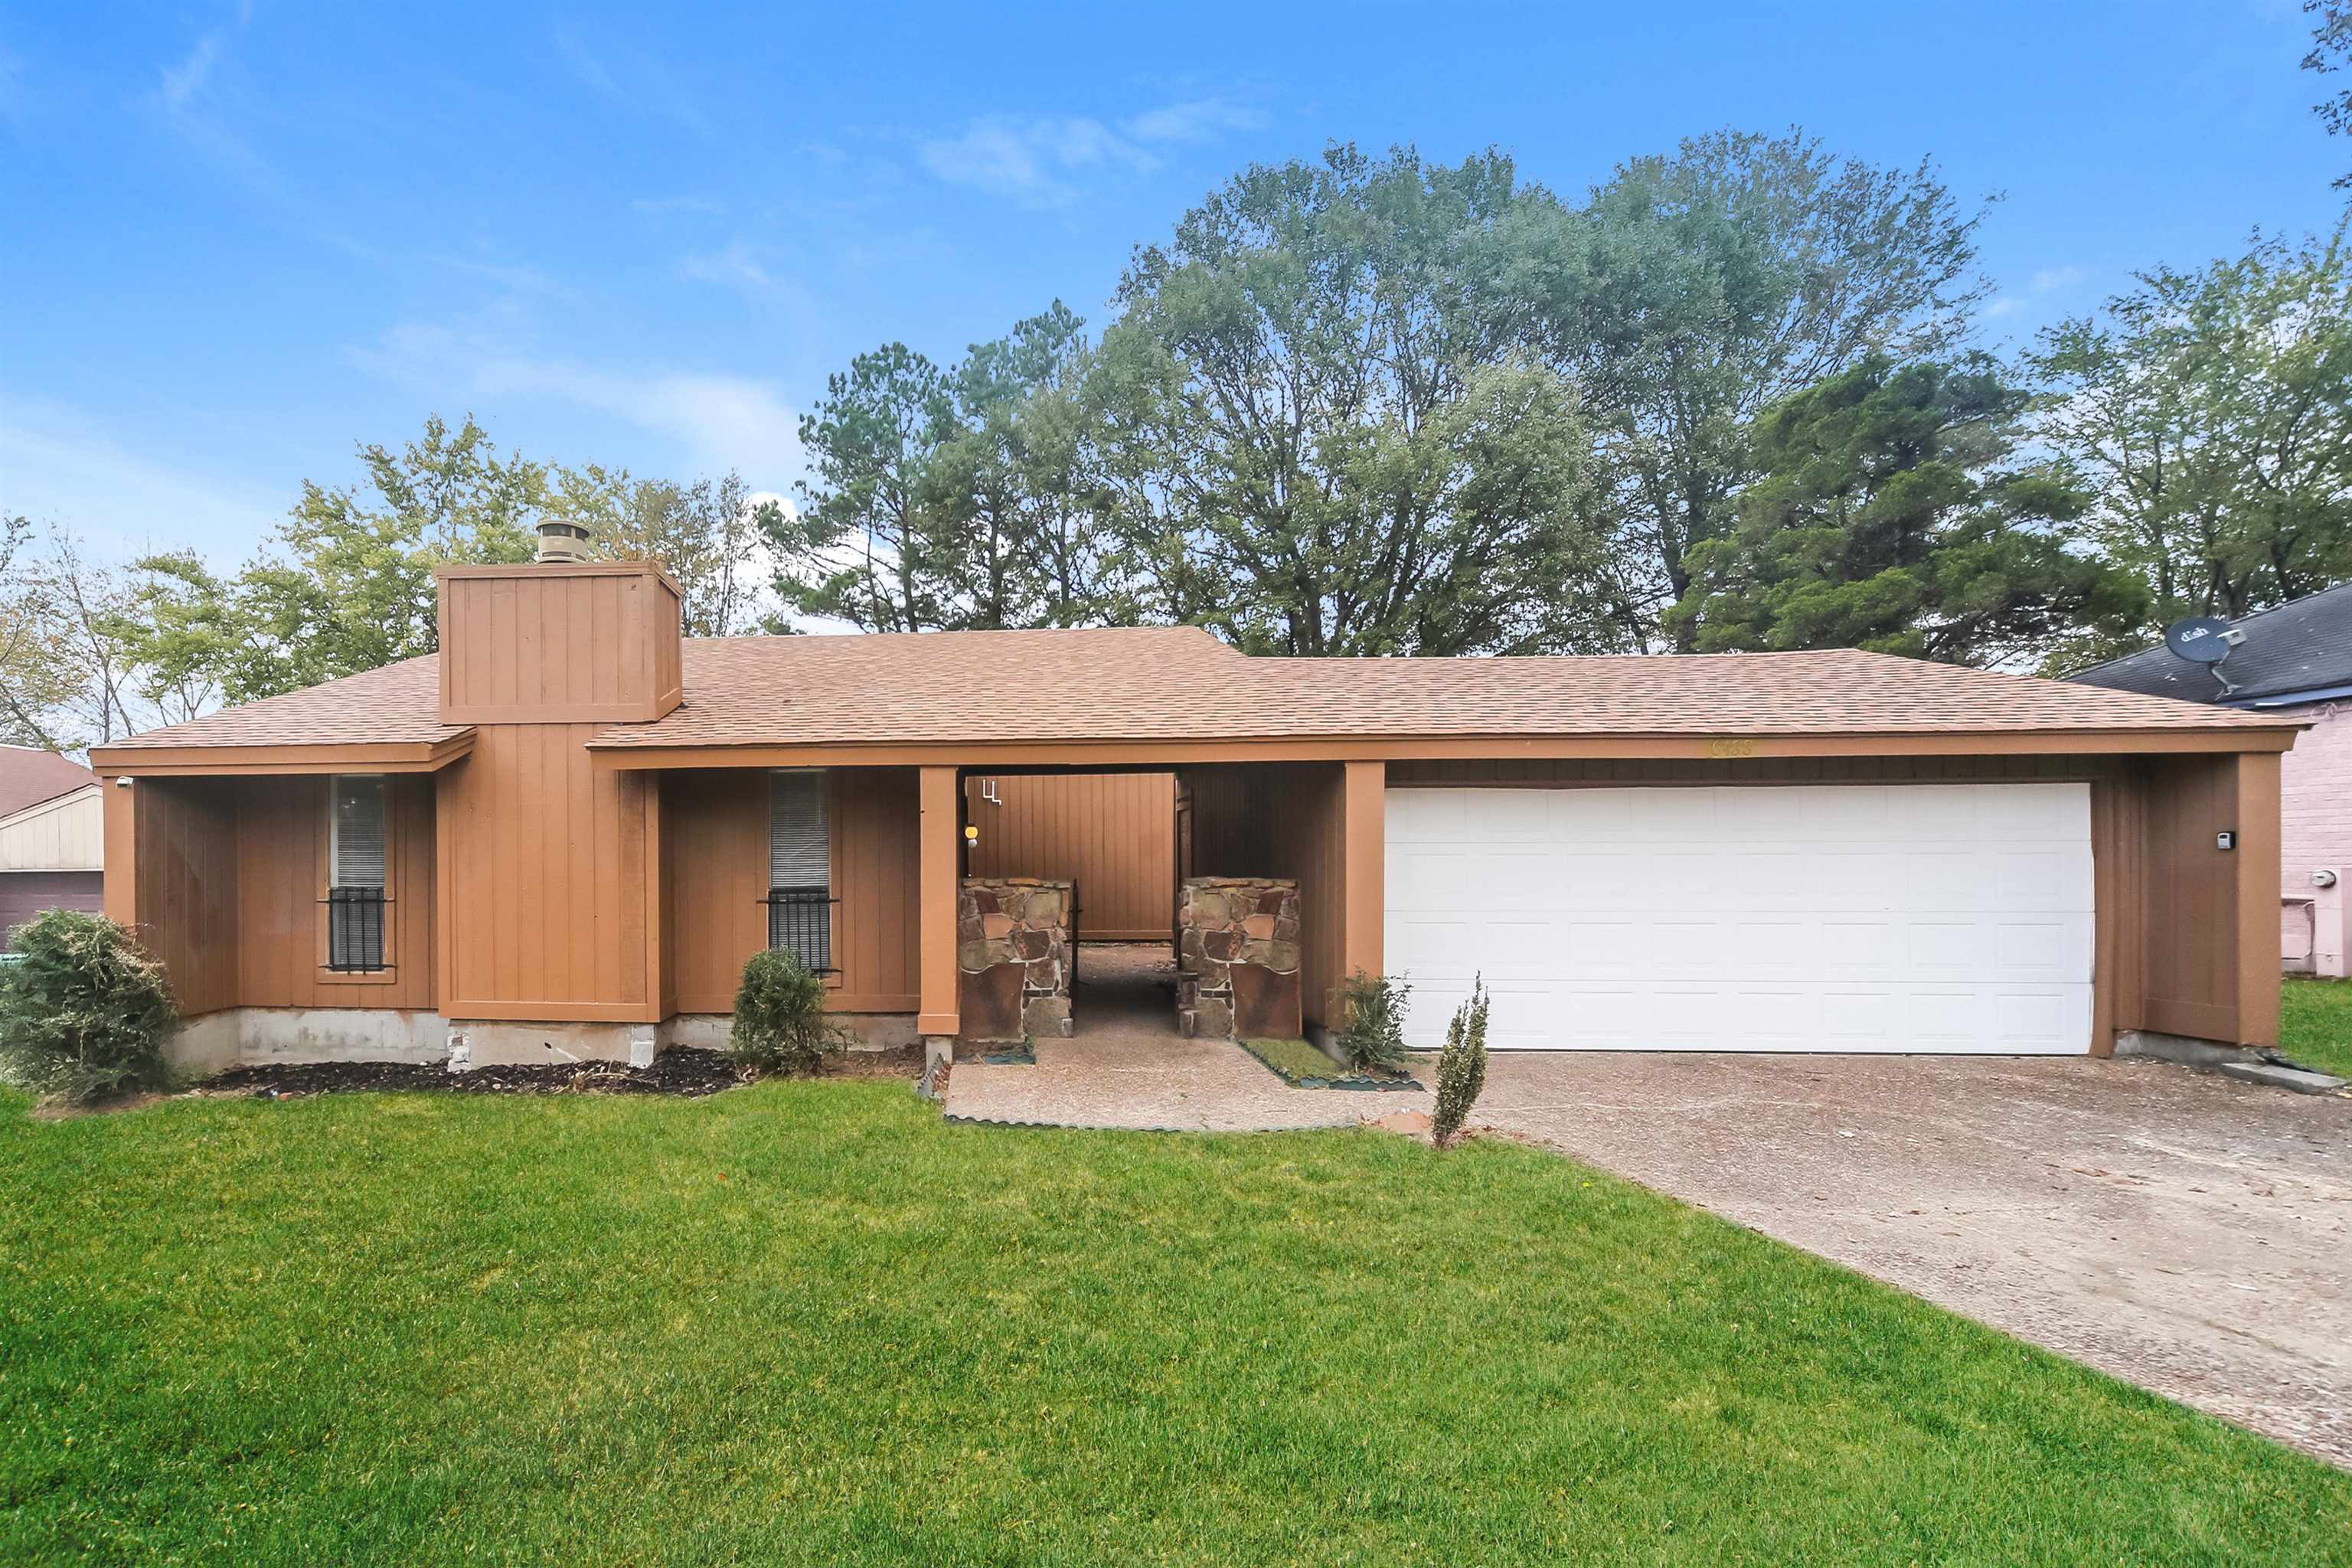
[[2207, 640]]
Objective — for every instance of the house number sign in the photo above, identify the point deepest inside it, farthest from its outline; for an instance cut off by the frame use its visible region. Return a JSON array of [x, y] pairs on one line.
[[1729, 746]]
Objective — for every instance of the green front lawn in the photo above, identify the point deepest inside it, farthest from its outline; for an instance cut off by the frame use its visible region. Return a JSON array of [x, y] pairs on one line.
[[2316, 1024], [813, 1323]]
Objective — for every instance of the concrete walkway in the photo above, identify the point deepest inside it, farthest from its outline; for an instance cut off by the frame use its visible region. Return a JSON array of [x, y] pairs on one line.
[[1124, 1066], [2182, 1232]]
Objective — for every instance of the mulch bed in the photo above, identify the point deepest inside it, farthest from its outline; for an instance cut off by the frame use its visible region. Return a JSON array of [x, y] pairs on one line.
[[680, 1070]]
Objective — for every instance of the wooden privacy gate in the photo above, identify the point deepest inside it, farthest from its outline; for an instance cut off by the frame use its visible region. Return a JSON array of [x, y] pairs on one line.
[[1114, 834]]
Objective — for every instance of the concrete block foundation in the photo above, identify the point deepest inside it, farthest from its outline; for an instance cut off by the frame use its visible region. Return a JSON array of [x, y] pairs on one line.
[[261, 1037]]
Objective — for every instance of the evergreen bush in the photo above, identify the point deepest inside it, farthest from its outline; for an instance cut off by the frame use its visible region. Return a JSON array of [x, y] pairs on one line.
[[85, 1012], [1373, 1036], [781, 1025], [1462, 1065]]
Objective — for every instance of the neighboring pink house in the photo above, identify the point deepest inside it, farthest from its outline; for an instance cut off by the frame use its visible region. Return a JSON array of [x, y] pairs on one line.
[[2295, 659]]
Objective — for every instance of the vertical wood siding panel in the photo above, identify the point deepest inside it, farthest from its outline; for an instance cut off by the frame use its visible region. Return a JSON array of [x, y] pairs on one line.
[[185, 898], [1114, 834]]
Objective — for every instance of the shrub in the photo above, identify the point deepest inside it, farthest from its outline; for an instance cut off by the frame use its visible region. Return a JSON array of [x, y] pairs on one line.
[[780, 1018], [1373, 1037], [1460, 1066], [84, 1012]]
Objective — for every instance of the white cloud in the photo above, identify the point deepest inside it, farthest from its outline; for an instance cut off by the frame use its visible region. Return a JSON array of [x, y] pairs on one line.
[[720, 421], [639, 81], [585, 67], [735, 266], [1201, 119], [1041, 160], [57, 465], [518, 278], [185, 80], [2047, 281], [1027, 160]]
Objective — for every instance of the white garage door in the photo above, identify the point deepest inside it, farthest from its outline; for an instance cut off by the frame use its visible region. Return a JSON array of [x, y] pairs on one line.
[[1844, 917]]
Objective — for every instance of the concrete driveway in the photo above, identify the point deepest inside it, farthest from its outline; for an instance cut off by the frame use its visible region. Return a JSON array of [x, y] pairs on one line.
[[2186, 1233]]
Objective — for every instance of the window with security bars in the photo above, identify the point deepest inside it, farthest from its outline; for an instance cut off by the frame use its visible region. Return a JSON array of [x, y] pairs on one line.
[[355, 885], [800, 868]]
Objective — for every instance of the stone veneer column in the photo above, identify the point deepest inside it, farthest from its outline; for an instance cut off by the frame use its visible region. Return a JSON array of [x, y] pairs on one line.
[[1238, 958]]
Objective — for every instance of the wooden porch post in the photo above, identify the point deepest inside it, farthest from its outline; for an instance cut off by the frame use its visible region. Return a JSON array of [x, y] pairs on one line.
[[938, 857], [2258, 883], [1364, 803], [120, 853]]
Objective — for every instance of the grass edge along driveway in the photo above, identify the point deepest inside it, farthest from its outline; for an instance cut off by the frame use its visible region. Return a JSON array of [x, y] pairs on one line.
[[813, 1323], [2315, 1023]]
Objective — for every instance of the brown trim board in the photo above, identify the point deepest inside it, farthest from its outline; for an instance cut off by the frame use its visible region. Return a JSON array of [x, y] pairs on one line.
[[1094, 754]]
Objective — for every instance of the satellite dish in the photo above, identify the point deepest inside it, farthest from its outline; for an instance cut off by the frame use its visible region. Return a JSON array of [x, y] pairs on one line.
[[2199, 639]]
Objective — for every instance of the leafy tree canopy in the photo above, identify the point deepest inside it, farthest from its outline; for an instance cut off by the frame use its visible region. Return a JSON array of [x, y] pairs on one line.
[[1888, 517], [2210, 412], [1320, 429], [1707, 285]]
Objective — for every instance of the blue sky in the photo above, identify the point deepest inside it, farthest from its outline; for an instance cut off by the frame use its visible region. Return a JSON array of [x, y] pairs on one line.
[[241, 237]]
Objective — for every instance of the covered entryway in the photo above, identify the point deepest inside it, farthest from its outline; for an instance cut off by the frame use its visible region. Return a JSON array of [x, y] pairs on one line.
[[1922, 918]]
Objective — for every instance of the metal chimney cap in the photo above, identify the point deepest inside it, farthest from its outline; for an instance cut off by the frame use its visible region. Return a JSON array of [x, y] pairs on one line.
[[562, 541]]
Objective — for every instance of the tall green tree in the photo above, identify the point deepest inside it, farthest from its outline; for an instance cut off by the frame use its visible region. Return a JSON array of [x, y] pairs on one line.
[[869, 545], [707, 535], [41, 679], [1015, 486], [2331, 45], [179, 624], [1320, 430], [1891, 515], [347, 583], [1703, 287], [2210, 412]]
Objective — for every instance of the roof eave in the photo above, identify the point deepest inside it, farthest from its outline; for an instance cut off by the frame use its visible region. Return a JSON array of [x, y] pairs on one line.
[[334, 757], [2235, 736], [31, 809]]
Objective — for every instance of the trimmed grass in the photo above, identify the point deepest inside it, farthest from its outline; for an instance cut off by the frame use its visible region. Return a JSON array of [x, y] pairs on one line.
[[1295, 1061], [2315, 1023], [812, 1324]]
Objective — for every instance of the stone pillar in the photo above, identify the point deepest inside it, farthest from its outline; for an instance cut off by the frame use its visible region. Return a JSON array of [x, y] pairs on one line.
[[1012, 957], [939, 851], [1238, 958]]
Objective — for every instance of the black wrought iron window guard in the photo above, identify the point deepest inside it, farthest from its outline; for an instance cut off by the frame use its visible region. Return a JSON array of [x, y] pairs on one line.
[[800, 921], [355, 930]]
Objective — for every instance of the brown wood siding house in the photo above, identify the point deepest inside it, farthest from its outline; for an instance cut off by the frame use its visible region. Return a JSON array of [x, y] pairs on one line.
[[569, 829]]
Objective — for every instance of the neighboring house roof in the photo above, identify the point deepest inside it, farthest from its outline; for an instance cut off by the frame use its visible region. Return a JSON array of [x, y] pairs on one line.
[[1180, 683], [2298, 650], [29, 777]]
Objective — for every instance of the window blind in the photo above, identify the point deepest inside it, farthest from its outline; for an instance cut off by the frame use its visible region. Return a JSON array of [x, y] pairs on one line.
[[358, 831], [355, 894], [800, 846]]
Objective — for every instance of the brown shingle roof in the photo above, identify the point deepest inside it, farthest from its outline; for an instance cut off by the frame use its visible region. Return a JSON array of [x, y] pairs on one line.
[[1179, 683], [400, 702], [29, 777]]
